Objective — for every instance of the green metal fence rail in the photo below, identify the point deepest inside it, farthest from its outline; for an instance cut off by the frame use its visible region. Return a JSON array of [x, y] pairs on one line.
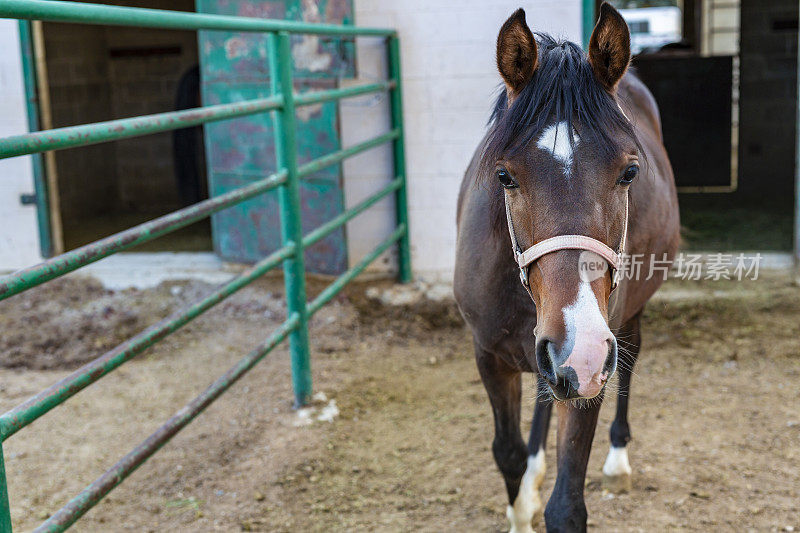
[[286, 178]]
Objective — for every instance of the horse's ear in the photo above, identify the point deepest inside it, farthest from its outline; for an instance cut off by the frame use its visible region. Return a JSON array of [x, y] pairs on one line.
[[516, 52], [610, 47]]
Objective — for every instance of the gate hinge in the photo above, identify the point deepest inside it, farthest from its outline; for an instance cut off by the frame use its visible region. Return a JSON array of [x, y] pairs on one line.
[[27, 199]]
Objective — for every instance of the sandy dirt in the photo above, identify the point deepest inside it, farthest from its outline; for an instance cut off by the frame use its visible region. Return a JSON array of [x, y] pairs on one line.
[[715, 415]]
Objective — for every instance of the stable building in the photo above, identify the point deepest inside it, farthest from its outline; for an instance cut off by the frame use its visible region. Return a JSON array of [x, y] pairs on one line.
[[724, 75]]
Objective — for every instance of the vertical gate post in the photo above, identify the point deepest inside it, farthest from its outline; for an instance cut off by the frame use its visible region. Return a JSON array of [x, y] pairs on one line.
[[5, 508], [588, 21], [31, 100], [401, 197], [280, 65]]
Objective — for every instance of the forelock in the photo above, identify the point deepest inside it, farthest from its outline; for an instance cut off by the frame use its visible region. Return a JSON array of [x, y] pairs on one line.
[[563, 89]]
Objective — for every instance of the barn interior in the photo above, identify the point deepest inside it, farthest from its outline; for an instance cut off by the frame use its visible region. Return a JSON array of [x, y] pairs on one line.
[[97, 73], [724, 73]]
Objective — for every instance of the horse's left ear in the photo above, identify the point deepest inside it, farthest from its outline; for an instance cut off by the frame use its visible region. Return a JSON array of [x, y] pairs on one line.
[[610, 47]]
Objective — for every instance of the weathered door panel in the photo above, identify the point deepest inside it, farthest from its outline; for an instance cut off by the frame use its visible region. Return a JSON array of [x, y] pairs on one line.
[[235, 67]]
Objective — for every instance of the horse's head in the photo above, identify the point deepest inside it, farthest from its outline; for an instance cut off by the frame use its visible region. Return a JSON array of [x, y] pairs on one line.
[[562, 154]]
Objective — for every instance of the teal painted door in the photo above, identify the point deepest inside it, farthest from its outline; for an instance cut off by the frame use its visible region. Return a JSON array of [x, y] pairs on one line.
[[234, 67]]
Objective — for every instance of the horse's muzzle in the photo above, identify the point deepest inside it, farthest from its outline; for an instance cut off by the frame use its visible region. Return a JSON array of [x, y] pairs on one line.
[[576, 375]]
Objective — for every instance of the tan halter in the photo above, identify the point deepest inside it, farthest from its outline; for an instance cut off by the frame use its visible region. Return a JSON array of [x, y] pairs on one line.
[[525, 258]]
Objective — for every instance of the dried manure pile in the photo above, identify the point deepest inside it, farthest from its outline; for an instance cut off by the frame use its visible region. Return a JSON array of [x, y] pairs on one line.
[[398, 439]]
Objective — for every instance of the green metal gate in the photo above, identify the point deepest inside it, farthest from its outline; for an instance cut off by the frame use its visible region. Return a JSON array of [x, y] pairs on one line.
[[282, 104]]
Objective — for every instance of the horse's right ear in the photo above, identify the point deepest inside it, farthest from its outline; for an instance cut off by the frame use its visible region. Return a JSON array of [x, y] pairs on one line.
[[516, 52], [610, 47]]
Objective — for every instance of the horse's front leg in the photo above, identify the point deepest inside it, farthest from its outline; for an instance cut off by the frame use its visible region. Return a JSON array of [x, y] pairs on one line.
[[566, 510], [617, 469], [520, 471]]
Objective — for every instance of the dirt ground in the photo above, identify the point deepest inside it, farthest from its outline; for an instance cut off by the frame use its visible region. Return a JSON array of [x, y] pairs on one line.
[[715, 415]]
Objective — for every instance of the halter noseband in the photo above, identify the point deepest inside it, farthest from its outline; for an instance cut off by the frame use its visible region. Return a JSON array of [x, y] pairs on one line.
[[566, 242]]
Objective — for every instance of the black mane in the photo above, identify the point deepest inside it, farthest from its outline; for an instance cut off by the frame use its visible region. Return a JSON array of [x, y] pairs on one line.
[[563, 88]]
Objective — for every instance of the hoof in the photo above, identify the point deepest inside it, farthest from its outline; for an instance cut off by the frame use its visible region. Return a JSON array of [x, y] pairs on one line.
[[519, 524], [617, 471], [538, 517], [618, 484]]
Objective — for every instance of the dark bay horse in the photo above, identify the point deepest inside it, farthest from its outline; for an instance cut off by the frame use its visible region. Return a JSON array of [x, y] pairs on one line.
[[572, 172]]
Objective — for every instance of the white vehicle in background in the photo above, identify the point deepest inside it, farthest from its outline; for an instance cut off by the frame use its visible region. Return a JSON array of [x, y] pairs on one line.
[[652, 27]]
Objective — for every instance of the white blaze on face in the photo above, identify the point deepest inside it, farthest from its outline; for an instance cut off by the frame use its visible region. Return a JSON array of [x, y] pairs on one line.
[[528, 501], [588, 338], [555, 140]]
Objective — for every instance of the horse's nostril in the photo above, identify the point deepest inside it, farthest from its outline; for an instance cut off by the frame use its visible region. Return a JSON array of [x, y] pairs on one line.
[[545, 361], [611, 361]]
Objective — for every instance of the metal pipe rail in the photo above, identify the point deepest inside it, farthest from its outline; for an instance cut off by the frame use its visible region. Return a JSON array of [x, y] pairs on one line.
[[53, 396], [91, 495], [27, 278], [285, 179], [30, 277], [113, 130], [58, 11], [126, 128]]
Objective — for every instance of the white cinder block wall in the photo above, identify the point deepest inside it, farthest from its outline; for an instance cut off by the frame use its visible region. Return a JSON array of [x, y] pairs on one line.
[[19, 234], [450, 80]]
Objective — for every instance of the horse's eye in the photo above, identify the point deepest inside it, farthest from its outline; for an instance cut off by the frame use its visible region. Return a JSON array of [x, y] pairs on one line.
[[630, 173], [505, 179]]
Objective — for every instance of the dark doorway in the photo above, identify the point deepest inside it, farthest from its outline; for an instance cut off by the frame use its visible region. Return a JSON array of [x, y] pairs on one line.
[[726, 86], [97, 73]]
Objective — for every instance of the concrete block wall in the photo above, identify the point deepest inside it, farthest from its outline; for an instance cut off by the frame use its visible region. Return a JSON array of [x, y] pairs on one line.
[[144, 84], [139, 86], [768, 89], [89, 84], [363, 118], [77, 72], [19, 234], [450, 81]]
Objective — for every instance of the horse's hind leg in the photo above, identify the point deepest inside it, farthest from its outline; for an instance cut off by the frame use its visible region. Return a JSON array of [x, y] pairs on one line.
[[504, 387], [617, 469]]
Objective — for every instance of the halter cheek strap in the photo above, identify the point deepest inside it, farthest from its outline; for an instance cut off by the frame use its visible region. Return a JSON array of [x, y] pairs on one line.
[[525, 258]]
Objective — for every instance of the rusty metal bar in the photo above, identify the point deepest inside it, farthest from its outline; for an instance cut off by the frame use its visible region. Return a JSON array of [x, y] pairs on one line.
[[315, 97], [404, 273], [24, 279], [92, 494], [36, 406], [285, 123], [335, 157], [125, 128], [5, 507], [334, 288], [322, 231], [31, 73], [85, 13]]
